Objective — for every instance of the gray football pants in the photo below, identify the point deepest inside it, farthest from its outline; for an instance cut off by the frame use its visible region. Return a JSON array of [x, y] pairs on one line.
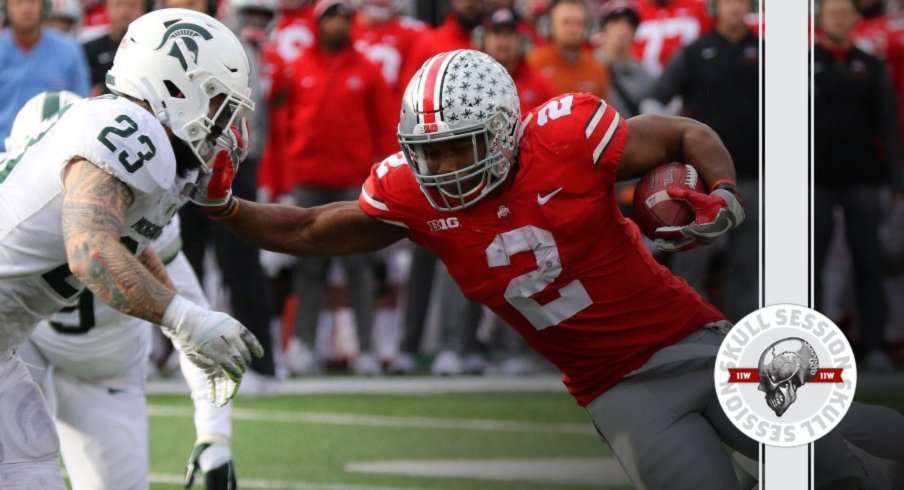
[[665, 425]]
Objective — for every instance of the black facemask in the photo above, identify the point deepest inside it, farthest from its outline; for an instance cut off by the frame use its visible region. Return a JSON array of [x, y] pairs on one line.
[[186, 160]]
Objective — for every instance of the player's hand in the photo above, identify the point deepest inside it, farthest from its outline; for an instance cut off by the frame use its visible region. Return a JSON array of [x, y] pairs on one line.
[[213, 189], [214, 461], [714, 215], [215, 342]]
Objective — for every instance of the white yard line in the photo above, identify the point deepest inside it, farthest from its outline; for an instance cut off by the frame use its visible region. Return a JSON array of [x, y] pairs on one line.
[[559, 471], [279, 485], [279, 416]]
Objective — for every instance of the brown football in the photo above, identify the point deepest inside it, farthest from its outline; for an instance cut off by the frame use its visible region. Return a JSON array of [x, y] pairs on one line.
[[653, 207]]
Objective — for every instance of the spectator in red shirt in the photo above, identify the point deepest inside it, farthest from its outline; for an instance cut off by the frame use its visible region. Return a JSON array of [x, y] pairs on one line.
[[501, 38], [339, 122], [294, 29], [387, 39], [666, 26], [455, 33]]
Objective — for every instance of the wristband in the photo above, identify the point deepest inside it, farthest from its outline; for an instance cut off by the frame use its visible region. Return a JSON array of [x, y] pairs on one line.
[[229, 210], [728, 185], [178, 310], [724, 184]]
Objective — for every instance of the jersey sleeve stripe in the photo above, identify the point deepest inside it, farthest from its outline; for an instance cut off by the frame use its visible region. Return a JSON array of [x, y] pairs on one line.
[[391, 222], [601, 148], [523, 126], [374, 202], [597, 116]]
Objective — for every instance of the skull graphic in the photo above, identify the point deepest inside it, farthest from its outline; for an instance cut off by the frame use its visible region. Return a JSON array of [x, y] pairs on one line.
[[784, 367]]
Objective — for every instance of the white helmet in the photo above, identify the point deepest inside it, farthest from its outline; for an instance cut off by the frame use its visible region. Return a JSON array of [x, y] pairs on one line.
[[70, 9], [266, 5], [33, 113], [178, 61], [459, 94], [380, 9]]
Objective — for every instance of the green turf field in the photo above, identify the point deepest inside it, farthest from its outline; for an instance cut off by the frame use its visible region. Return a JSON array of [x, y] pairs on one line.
[[357, 441], [315, 441]]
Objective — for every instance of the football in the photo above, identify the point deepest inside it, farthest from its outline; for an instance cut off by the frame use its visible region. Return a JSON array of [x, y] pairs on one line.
[[653, 207]]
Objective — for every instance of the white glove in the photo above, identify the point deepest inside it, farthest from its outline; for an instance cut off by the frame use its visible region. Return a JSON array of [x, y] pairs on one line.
[[213, 341]]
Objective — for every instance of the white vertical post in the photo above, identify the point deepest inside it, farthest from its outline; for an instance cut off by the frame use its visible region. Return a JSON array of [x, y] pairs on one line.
[[786, 193]]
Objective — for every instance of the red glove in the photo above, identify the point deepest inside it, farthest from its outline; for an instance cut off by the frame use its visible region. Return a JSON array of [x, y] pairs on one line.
[[213, 189], [714, 215]]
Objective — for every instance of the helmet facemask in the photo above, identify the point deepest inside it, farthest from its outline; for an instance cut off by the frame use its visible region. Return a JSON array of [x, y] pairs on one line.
[[452, 191]]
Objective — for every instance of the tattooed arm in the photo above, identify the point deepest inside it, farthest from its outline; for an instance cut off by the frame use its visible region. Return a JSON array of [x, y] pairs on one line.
[[155, 266], [94, 205]]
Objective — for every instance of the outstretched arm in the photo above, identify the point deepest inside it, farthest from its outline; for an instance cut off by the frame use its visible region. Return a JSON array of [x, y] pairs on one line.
[[338, 228], [94, 205], [654, 140]]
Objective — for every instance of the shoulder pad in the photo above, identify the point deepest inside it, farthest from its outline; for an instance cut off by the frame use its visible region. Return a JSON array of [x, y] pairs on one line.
[[122, 138]]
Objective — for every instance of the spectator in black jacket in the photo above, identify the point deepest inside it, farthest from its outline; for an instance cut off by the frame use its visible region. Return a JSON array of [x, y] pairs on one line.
[[100, 50], [718, 78], [857, 152]]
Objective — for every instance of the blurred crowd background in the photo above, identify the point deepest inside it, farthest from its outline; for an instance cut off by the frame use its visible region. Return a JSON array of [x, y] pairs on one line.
[[328, 78]]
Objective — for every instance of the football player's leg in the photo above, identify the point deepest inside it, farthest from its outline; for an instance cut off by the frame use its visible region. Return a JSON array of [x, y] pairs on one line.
[[420, 286], [27, 436], [40, 369], [106, 446], [877, 432], [653, 423], [309, 281], [362, 283], [862, 213], [823, 224], [362, 286], [836, 465]]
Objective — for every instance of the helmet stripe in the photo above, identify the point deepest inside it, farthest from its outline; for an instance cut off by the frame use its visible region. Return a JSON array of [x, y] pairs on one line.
[[432, 90]]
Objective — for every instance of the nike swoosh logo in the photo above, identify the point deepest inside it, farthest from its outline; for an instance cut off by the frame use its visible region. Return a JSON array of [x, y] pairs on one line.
[[544, 199]]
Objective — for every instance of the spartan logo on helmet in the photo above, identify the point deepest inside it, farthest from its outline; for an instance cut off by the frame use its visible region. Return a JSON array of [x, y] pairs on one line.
[[784, 367], [184, 44]]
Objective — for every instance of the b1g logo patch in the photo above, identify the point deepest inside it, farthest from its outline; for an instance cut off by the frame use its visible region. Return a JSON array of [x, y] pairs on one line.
[[785, 375]]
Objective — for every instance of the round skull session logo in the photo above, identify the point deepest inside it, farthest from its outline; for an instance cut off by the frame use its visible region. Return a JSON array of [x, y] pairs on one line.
[[785, 375]]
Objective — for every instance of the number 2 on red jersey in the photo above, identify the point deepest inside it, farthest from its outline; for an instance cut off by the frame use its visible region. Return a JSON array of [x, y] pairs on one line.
[[573, 297]]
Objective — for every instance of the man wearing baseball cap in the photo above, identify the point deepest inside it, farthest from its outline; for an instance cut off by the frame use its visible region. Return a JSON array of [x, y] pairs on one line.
[[501, 38]]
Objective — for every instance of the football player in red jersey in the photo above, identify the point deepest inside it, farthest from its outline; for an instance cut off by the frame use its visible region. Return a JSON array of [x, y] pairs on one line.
[[666, 26], [386, 37], [524, 216]]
